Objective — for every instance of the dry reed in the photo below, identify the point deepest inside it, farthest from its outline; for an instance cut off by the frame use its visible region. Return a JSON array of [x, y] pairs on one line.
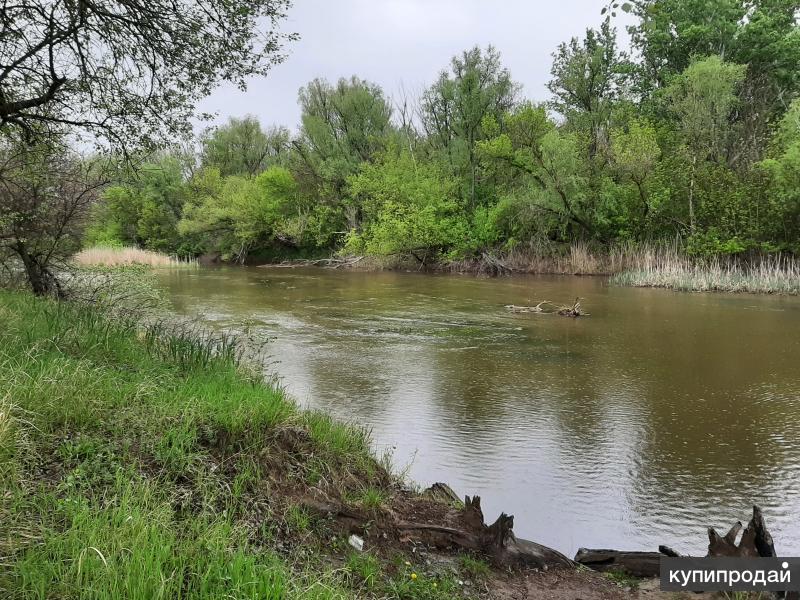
[[107, 256]]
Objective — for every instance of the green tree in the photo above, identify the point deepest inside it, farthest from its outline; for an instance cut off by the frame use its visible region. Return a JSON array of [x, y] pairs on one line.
[[145, 210], [243, 147], [549, 165], [588, 78], [476, 91], [702, 99], [409, 209], [761, 34], [635, 154], [341, 126], [237, 214], [782, 182]]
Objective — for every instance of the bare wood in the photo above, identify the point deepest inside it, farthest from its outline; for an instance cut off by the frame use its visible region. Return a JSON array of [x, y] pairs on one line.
[[667, 551], [468, 531], [755, 541], [634, 563], [443, 493], [551, 308]]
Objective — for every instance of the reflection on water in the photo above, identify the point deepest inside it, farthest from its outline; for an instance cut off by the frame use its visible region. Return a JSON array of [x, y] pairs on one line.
[[659, 415]]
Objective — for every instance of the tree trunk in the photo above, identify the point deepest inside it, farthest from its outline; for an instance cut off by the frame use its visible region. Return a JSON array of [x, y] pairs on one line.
[[40, 278], [755, 541]]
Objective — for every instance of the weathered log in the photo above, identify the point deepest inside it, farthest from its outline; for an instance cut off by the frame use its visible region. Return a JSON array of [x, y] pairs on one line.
[[496, 541], [634, 563], [467, 531], [755, 541], [667, 551]]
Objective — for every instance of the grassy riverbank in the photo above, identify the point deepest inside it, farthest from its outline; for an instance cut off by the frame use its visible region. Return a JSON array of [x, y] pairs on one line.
[[639, 265], [133, 464], [142, 463]]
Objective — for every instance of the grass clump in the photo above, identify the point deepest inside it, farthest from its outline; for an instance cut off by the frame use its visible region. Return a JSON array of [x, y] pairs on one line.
[[474, 567], [622, 579], [140, 460], [364, 567], [410, 583], [369, 498]]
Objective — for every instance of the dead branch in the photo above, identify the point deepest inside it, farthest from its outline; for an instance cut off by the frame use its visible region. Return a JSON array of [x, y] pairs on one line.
[[551, 308]]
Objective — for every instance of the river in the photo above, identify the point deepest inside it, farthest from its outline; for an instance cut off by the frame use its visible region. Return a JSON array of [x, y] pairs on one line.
[[658, 415]]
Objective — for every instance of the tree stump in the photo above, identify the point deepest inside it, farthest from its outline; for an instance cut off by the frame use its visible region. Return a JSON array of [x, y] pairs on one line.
[[755, 540]]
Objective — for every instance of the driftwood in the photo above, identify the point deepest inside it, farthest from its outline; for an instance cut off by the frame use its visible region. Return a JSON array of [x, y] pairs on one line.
[[443, 493], [755, 541], [331, 263], [551, 308], [634, 563], [466, 531]]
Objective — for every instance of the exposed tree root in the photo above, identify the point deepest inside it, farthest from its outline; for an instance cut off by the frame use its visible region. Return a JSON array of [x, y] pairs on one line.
[[460, 528]]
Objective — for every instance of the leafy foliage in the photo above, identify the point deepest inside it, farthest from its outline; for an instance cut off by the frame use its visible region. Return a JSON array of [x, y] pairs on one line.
[[694, 136]]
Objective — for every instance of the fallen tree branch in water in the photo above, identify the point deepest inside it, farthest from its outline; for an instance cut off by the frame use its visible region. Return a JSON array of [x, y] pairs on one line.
[[551, 308], [331, 263]]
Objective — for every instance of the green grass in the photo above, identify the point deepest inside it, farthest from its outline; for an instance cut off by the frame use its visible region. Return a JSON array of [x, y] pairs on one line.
[[369, 498], [473, 567], [623, 579], [140, 460], [131, 456], [365, 567]]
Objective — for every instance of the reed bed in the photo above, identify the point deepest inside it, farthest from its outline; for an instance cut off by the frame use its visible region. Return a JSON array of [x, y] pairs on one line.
[[668, 269], [107, 256], [578, 259]]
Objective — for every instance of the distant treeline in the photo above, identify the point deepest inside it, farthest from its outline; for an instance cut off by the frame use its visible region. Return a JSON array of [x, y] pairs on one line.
[[695, 135]]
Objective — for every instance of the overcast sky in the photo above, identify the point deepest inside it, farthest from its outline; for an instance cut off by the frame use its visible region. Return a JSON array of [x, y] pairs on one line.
[[406, 42]]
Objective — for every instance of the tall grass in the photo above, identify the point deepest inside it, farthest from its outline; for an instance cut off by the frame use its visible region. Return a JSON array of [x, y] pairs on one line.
[[667, 268], [131, 457], [109, 256]]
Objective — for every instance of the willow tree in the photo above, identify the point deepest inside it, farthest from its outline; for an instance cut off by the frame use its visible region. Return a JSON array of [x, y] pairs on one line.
[[244, 147], [342, 125], [463, 106], [703, 99]]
